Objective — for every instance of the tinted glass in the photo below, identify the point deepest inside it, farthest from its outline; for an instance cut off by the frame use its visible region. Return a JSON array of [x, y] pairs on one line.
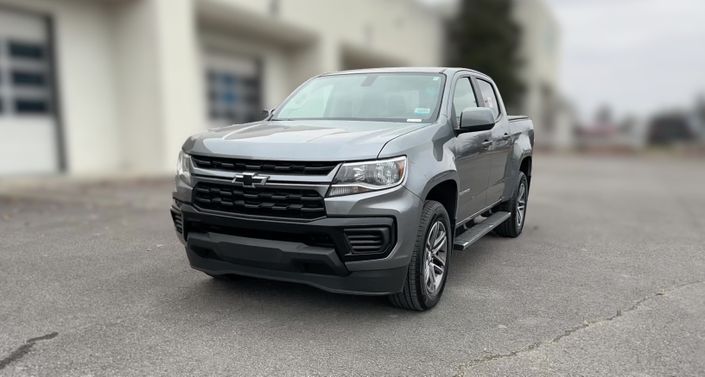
[[20, 78], [464, 97], [488, 97], [25, 50], [30, 106], [398, 97]]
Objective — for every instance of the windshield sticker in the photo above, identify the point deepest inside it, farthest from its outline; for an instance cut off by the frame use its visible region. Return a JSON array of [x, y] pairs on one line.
[[414, 120], [422, 111]]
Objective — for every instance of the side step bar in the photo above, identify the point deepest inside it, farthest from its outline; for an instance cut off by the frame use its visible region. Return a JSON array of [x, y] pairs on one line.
[[474, 233]]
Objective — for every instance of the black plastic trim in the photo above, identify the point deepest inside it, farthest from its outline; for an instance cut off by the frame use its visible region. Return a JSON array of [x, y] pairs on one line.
[[333, 227]]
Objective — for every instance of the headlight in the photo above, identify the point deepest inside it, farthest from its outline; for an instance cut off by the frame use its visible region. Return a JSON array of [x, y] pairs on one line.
[[183, 167], [357, 177]]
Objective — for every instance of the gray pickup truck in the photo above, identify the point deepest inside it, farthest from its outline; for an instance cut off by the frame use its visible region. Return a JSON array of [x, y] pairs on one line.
[[361, 182]]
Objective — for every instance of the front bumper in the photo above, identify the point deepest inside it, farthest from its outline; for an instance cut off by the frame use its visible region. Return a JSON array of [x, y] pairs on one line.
[[315, 252]]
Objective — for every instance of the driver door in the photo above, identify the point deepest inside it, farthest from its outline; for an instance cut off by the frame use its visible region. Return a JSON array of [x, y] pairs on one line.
[[470, 149]]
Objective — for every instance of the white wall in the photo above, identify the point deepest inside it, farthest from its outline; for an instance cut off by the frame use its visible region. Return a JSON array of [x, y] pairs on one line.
[[412, 34], [159, 90], [181, 76], [131, 79], [309, 37], [86, 84], [29, 141], [137, 85], [540, 51], [540, 46]]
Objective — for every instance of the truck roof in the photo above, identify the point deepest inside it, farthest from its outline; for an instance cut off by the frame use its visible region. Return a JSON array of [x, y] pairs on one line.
[[447, 70]]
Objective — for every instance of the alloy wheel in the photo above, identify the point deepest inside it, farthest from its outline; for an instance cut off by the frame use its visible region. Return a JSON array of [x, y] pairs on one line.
[[521, 205], [436, 256]]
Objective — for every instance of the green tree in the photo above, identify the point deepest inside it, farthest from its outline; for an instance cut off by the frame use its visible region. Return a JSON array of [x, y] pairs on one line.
[[484, 36]]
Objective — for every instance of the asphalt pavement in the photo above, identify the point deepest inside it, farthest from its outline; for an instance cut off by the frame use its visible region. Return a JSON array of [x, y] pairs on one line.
[[607, 279]]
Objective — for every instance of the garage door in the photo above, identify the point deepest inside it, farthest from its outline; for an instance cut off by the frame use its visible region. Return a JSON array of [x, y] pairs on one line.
[[28, 127], [234, 88]]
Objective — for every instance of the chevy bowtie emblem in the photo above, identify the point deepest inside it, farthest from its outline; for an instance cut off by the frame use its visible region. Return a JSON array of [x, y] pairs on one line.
[[250, 179]]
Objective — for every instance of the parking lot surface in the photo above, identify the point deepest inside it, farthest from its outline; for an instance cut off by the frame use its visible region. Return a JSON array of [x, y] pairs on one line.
[[607, 279]]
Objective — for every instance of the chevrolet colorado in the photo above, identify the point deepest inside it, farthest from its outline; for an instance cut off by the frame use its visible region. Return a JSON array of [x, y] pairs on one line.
[[361, 182]]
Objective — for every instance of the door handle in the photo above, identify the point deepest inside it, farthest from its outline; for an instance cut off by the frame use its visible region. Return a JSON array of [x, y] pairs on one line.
[[486, 143], [506, 136]]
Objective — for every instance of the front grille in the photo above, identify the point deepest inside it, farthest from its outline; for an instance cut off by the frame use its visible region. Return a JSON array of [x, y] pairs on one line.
[[368, 240], [263, 166], [260, 201]]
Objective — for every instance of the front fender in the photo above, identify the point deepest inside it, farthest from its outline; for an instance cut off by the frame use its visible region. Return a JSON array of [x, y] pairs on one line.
[[429, 163]]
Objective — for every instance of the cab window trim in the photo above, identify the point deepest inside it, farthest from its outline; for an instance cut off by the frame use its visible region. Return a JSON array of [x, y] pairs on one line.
[[453, 117], [500, 106]]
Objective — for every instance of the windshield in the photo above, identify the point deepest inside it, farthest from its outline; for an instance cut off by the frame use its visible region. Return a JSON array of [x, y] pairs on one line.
[[392, 97]]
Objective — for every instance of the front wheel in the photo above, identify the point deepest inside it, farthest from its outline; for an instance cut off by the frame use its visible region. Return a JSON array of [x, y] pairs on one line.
[[428, 268], [513, 226]]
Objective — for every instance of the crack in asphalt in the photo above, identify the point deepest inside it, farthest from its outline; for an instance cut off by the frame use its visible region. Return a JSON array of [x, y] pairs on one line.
[[24, 349], [463, 367]]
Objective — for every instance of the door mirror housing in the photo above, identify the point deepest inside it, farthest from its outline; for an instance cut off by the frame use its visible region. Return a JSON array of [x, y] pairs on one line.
[[476, 119], [266, 113]]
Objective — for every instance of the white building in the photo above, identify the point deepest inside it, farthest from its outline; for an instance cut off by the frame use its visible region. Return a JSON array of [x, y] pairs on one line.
[[540, 54], [96, 86]]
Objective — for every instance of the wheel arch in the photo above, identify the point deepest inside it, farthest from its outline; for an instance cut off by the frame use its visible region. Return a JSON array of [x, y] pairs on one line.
[[445, 191], [525, 167]]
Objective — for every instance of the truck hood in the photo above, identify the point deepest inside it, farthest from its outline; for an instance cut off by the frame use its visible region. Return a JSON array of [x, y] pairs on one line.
[[318, 140]]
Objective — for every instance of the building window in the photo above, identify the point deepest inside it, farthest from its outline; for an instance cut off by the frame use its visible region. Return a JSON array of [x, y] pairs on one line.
[[25, 88], [31, 106], [21, 50], [234, 93], [23, 78]]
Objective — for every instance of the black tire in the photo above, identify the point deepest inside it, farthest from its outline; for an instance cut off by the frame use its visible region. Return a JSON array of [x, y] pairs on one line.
[[417, 295], [513, 226]]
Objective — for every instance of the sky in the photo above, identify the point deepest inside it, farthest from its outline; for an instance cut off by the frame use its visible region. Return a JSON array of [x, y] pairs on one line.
[[635, 56]]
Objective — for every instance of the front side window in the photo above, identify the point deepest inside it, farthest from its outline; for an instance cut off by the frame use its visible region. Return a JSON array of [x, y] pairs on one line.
[[464, 97], [393, 97], [489, 99]]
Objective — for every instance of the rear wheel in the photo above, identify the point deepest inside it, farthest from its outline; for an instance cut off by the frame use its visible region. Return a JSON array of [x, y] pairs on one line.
[[428, 268], [513, 226]]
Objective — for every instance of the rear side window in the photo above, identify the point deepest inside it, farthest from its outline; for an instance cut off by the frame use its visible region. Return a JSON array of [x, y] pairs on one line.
[[464, 97], [489, 99]]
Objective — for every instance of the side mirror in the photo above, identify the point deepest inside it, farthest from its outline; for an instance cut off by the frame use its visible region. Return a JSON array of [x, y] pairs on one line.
[[476, 119], [266, 113]]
